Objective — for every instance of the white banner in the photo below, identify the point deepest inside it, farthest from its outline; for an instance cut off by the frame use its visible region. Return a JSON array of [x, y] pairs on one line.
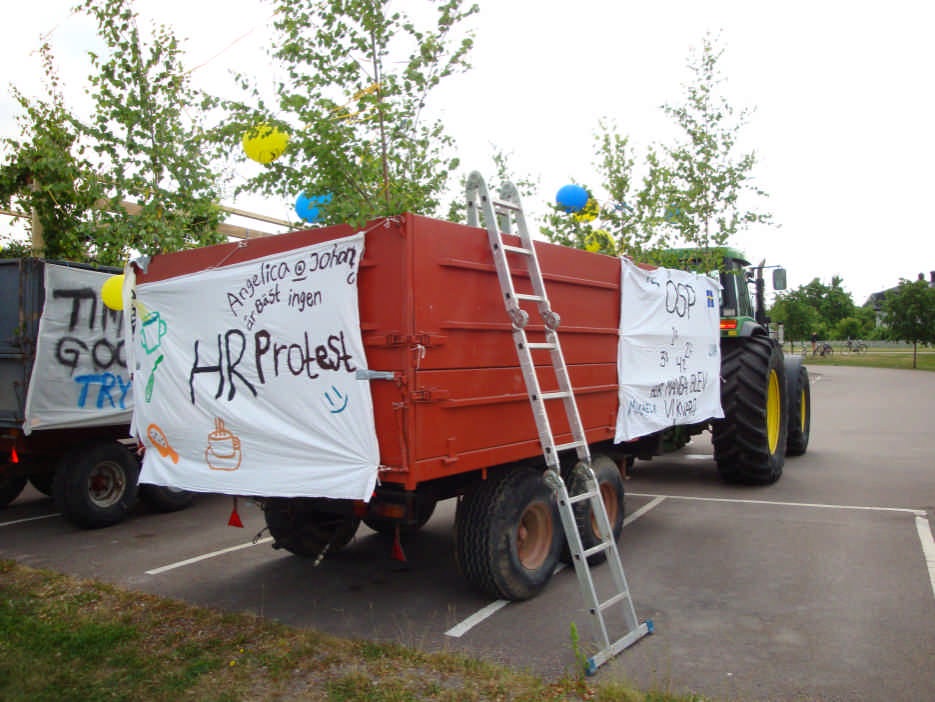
[[669, 358], [246, 378], [79, 375]]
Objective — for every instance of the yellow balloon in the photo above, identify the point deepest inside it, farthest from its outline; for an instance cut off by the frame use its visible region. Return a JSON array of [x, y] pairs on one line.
[[589, 212], [265, 143], [112, 292]]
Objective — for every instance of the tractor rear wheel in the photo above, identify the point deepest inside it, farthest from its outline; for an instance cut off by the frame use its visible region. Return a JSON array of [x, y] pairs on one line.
[[800, 415], [750, 442]]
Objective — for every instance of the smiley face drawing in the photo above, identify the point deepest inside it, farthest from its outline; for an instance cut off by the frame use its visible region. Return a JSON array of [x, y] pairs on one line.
[[223, 451]]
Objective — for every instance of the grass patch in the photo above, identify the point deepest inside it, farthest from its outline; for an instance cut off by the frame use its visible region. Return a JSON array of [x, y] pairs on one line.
[[71, 640], [899, 359]]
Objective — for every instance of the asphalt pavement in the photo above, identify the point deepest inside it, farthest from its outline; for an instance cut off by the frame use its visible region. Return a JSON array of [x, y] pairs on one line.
[[820, 587]]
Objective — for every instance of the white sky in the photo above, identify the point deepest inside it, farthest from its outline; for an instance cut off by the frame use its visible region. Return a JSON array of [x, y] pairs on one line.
[[843, 126]]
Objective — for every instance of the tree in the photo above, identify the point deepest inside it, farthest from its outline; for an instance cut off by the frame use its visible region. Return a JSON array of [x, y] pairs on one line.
[[47, 174], [150, 146], [139, 145], [800, 319], [689, 193], [626, 221], [909, 314], [704, 179], [359, 75], [820, 309]]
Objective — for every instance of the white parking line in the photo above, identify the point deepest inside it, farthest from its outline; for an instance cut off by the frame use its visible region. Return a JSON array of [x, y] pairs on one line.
[[922, 522], [928, 547], [904, 510], [461, 628], [206, 556], [30, 519]]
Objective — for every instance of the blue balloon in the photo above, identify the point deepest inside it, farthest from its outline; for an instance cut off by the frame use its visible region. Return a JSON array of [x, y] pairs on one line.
[[308, 208], [571, 198]]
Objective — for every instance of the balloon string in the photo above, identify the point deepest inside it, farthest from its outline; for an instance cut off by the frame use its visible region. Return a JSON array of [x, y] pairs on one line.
[[242, 36]]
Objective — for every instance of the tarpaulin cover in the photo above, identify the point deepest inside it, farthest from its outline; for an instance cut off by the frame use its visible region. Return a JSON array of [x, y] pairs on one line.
[[669, 358], [79, 376], [245, 377]]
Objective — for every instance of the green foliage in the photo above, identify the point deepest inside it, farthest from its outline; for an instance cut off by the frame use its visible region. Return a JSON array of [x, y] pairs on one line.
[[139, 144], [703, 177], [627, 222], [580, 657], [46, 173], [359, 73], [149, 145], [690, 192], [820, 309], [909, 314]]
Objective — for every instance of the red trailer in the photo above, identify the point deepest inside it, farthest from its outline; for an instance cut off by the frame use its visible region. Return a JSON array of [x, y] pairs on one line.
[[451, 408]]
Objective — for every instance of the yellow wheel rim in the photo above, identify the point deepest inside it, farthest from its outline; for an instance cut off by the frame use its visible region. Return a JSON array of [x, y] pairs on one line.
[[773, 411], [803, 410]]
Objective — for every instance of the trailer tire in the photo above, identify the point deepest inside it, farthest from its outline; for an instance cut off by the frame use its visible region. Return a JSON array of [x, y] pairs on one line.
[[750, 442], [304, 529], [508, 534], [165, 499], [10, 488], [95, 485], [610, 483]]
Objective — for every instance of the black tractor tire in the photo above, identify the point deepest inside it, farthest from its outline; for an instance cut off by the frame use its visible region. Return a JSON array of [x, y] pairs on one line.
[[303, 529], [10, 488], [800, 415], [610, 483], [95, 484], [508, 534], [165, 499], [387, 527], [750, 442]]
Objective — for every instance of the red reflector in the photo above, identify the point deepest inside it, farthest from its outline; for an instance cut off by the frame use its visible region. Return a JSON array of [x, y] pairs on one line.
[[728, 324]]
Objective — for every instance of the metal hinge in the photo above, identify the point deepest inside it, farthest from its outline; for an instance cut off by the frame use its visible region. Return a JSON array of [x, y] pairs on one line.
[[429, 395]]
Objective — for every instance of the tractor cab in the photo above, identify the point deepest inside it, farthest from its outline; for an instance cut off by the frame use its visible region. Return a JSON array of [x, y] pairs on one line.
[[741, 315]]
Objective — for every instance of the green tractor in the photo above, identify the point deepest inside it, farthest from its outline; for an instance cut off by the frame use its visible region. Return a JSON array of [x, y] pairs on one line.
[[765, 395]]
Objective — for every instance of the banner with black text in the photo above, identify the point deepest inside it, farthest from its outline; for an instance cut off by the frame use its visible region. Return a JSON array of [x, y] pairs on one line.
[[669, 357], [246, 382]]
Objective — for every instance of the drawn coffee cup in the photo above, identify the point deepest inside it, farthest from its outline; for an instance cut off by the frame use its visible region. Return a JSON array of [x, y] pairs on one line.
[[223, 452], [152, 330]]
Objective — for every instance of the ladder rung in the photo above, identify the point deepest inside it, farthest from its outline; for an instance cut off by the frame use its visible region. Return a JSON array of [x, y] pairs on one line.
[[582, 496], [611, 601], [541, 345], [532, 298], [505, 205], [570, 445], [517, 249], [555, 395], [600, 548]]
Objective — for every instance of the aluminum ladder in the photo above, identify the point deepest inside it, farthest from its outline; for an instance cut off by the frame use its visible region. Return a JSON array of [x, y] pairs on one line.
[[498, 216]]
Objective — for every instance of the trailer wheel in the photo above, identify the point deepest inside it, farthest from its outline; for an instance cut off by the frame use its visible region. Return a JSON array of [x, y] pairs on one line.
[[10, 488], [800, 415], [304, 529], [95, 485], [610, 483], [750, 442], [508, 534], [165, 499], [381, 525]]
